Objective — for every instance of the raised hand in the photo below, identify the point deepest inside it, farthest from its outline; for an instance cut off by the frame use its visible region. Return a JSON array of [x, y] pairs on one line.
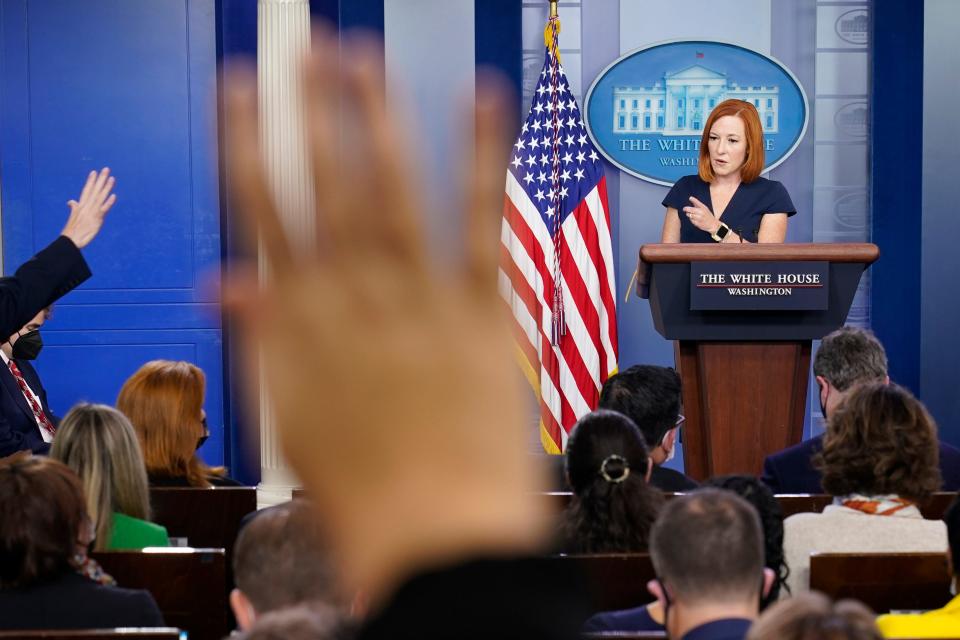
[[87, 213], [701, 216], [396, 398]]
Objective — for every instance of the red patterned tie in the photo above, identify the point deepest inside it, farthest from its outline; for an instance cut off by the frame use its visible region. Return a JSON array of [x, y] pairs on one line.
[[38, 413]]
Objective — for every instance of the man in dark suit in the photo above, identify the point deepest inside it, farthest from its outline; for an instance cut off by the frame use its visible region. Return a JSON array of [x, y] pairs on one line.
[[650, 396], [846, 358], [26, 418], [707, 550], [46, 277]]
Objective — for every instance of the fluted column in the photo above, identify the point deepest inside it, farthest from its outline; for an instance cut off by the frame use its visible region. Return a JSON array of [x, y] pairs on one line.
[[283, 39]]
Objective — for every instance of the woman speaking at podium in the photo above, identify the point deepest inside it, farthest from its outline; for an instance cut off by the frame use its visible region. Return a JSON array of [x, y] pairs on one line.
[[727, 200]]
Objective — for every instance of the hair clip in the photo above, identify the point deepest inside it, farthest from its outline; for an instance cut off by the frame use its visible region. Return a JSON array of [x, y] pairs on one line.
[[614, 458]]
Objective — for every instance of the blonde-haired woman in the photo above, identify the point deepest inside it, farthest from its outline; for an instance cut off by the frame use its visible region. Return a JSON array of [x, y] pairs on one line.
[[99, 444], [164, 401]]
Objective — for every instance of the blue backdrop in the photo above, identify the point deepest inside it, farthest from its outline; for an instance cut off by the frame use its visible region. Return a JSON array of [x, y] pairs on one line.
[[125, 85]]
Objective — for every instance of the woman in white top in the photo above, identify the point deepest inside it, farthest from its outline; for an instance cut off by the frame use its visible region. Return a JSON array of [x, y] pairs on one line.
[[879, 460]]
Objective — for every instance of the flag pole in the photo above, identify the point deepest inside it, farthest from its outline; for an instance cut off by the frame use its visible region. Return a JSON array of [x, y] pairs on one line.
[[554, 12]]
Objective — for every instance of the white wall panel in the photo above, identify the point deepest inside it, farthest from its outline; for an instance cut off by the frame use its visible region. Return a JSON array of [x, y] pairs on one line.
[[743, 22], [431, 66]]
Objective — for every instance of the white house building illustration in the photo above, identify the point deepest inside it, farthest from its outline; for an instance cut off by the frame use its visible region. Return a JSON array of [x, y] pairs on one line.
[[858, 25], [680, 104]]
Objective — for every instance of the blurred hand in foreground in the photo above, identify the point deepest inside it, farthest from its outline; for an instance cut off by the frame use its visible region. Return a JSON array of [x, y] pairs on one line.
[[396, 398]]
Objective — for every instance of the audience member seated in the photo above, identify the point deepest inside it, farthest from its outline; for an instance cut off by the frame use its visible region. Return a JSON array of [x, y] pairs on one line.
[[280, 561], [99, 444], [46, 579], [940, 623], [811, 616], [879, 460], [707, 549], [164, 402], [25, 414], [612, 507], [650, 396], [771, 520], [297, 623], [846, 358], [26, 422], [650, 617]]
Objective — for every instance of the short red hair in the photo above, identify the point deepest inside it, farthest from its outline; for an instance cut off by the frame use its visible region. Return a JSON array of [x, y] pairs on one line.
[[753, 165], [163, 401]]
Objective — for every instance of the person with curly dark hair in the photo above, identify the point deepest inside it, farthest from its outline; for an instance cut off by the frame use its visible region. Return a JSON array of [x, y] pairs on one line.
[[812, 616], [608, 467], [846, 358], [879, 460]]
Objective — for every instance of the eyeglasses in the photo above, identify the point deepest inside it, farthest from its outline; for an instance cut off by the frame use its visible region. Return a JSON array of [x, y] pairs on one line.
[[680, 420]]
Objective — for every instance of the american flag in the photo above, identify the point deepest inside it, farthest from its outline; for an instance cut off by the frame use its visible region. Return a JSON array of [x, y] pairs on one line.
[[556, 266]]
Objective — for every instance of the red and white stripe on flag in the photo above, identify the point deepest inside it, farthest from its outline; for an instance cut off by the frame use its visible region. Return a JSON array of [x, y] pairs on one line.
[[556, 251]]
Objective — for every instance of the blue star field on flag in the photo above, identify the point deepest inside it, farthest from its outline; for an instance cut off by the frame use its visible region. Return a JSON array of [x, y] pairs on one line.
[[575, 169]]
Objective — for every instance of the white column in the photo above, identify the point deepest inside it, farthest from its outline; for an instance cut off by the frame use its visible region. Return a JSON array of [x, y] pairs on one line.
[[283, 39]]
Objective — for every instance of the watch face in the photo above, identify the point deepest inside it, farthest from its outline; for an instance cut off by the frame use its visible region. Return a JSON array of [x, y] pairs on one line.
[[722, 232]]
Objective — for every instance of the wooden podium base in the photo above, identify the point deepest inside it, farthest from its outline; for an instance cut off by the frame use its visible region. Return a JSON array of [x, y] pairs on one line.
[[742, 400]]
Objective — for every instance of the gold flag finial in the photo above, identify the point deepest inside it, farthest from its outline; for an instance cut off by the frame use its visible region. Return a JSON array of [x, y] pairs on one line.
[[552, 30]]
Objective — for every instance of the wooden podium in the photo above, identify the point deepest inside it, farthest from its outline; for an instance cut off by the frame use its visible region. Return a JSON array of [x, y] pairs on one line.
[[744, 371]]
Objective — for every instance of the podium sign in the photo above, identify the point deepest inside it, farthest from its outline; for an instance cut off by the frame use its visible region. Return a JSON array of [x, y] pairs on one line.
[[771, 286]]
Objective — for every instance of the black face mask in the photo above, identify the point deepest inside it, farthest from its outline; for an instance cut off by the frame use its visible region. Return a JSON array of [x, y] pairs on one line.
[[666, 602], [28, 346], [206, 433], [823, 403]]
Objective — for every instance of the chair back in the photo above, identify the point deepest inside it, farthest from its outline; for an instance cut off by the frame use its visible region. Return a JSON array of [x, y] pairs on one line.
[[189, 585], [883, 581], [613, 580]]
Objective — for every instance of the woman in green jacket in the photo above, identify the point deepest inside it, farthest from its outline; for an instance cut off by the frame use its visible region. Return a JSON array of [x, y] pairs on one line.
[[100, 445]]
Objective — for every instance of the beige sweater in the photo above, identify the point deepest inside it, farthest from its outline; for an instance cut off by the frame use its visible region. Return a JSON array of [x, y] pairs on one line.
[[839, 529]]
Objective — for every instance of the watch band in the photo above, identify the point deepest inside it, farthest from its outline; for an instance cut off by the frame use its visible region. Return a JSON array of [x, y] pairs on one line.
[[721, 233]]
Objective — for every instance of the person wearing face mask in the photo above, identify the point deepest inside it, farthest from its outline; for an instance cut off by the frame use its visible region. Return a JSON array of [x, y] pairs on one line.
[[26, 421], [164, 401], [650, 396], [879, 462], [846, 359], [727, 200], [707, 551]]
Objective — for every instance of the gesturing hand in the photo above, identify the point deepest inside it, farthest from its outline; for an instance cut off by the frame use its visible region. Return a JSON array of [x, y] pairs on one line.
[[86, 215], [701, 216], [395, 395]]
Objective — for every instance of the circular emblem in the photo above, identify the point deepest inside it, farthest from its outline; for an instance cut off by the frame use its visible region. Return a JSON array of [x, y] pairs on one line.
[[849, 210], [645, 112], [851, 119], [853, 26]]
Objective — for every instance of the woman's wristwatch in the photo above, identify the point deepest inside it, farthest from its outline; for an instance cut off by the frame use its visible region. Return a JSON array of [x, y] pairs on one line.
[[720, 233]]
